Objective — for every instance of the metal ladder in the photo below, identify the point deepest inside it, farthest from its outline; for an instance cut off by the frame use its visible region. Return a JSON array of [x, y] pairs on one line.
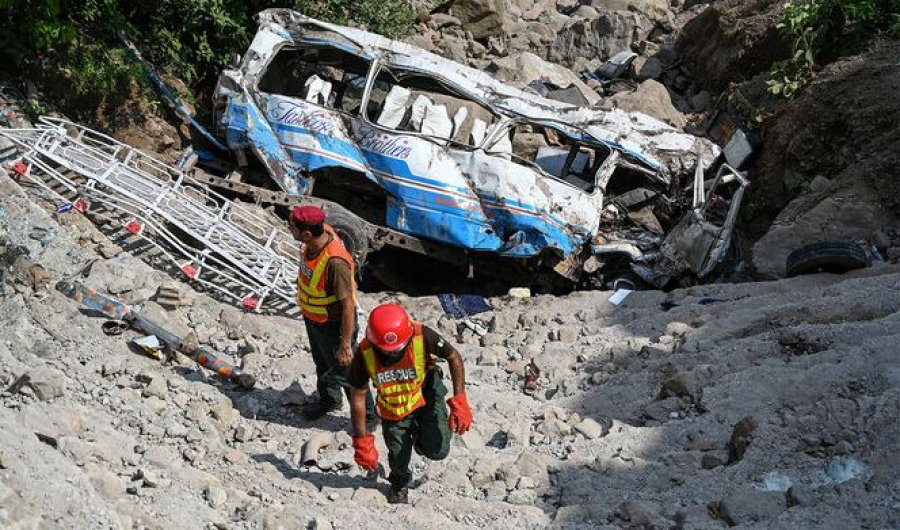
[[219, 243]]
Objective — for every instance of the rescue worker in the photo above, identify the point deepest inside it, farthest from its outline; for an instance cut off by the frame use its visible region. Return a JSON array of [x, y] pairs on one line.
[[326, 294], [399, 356]]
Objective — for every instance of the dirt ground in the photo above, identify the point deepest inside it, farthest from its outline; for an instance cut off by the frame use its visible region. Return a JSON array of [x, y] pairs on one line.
[[768, 405]]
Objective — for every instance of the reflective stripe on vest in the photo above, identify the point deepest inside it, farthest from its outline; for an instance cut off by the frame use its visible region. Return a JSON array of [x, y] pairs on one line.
[[311, 295], [398, 398]]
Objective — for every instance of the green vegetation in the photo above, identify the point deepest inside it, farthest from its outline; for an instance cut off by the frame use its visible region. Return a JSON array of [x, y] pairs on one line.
[[821, 30], [74, 43]]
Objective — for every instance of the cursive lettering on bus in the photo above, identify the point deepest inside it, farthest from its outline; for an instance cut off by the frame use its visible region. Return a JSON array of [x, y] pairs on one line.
[[301, 115], [394, 147]]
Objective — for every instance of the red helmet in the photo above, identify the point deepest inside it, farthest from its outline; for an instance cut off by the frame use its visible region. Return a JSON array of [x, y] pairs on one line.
[[389, 328]]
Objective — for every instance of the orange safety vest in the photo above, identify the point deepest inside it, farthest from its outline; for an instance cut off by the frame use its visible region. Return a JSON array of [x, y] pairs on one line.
[[311, 295], [399, 385]]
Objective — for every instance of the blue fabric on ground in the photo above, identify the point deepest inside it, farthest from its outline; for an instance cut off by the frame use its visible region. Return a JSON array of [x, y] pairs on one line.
[[461, 305]]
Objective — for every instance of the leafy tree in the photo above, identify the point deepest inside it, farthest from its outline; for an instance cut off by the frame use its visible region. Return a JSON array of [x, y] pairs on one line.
[[76, 40]]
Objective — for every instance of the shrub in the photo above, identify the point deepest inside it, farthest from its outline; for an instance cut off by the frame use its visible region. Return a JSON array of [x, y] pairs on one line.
[[821, 30], [190, 39]]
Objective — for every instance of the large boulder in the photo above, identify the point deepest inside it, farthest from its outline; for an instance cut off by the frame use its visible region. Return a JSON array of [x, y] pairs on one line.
[[653, 99], [483, 18], [654, 10], [520, 70], [598, 38]]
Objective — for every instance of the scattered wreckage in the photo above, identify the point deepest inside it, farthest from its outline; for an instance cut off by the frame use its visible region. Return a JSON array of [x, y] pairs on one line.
[[407, 141], [126, 317]]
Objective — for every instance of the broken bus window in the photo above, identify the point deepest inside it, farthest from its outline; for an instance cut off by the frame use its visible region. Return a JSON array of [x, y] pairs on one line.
[[325, 76], [419, 104]]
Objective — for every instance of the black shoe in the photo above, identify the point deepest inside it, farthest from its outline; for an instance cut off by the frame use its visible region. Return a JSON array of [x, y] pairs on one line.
[[315, 409], [398, 496]]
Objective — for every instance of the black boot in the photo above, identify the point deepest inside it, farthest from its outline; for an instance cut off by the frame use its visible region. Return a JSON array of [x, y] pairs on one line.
[[316, 409], [398, 495]]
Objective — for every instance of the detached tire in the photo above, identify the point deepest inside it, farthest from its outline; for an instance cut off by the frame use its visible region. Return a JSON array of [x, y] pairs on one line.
[[829, 256], [350, 229]]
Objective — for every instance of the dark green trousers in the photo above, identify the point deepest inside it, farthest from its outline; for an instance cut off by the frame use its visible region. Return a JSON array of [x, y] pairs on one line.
[[425, 429], [331, 377]]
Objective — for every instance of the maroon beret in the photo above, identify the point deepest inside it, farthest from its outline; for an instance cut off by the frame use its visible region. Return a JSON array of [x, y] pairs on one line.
[[307, 215]]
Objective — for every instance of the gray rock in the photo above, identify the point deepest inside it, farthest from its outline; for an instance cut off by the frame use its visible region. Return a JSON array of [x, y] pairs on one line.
[[107, 484], [47, 383], [484, 471], [482, 18], [156, 388], [687, 384], [642, 514], [568, 334], [215, 496], [651, 69], [702, 101], [176, 430], [714, 459], [470, 441], [440, 20], [495, 491], [147, 478], [585, 11], [661, 410], [160, 457], [598, 38], [233, 456], [740, 439], [522, 497], [654, 10], [748, 505], [531, 465], [223, 410], [108, 249], [455, 49], [591, 429], [487, 357], [801, 496], [231, 318], [368, 497], [321, 523], [652, 99], [189, 454], [244, 433]]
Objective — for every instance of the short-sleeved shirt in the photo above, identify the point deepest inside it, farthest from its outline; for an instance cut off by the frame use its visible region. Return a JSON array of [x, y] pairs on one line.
[[338, 281], [435, 345]]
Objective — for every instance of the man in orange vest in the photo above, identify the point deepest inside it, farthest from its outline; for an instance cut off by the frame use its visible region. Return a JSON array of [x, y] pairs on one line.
[[399, 356], [326, 294]]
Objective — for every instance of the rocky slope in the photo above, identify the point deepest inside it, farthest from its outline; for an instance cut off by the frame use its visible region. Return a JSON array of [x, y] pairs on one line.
[[764, 405]]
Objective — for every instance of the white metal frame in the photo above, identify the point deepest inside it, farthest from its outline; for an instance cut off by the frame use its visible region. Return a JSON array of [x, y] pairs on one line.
[[242, 254]]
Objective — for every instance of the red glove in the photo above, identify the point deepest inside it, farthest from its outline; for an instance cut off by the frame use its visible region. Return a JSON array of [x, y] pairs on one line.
[[460, 414], [365, 453]]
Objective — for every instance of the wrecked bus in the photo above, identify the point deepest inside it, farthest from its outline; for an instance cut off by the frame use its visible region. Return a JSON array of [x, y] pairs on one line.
[[417, 151]]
